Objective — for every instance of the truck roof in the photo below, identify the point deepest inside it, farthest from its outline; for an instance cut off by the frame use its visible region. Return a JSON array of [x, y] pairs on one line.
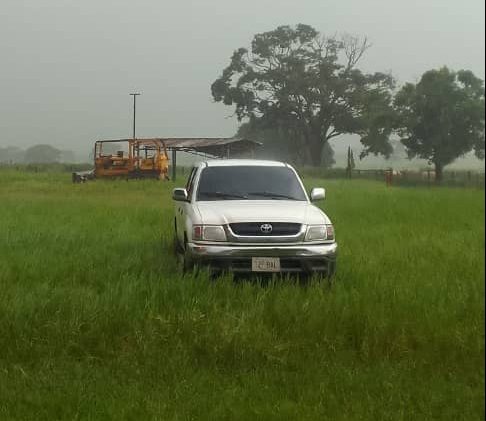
[[242, 162]]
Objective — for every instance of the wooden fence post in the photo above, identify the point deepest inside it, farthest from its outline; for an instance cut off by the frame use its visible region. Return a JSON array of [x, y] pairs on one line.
[[388, 177]]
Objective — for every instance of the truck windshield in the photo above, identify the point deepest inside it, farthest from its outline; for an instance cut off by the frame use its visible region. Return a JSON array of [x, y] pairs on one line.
[[249, 183]]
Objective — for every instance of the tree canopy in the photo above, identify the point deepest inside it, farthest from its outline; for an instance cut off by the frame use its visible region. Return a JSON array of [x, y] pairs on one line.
[[442, 117], [42, 154], [282, 144], [308, 85]]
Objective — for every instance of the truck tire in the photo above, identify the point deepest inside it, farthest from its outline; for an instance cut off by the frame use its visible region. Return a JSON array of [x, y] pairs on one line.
[[187, 265], [331, 271]]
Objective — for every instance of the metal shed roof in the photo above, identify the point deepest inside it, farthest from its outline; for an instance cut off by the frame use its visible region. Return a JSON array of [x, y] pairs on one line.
[[215, 146], [212, 146]]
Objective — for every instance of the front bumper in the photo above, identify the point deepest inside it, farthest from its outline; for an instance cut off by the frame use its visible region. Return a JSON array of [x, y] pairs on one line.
[[311, 258]]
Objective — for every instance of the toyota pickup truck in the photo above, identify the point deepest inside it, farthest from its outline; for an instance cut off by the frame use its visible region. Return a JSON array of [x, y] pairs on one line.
[[240, 215]]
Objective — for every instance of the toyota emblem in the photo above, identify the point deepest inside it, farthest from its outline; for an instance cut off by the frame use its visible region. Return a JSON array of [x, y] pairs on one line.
[[266, 228]]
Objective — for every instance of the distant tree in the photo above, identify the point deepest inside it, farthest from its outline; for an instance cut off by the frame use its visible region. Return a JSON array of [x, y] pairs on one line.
[[42, 154], [282, 144], [67, 156], [11, 154], [399, 150], [442, 117], [327, 159], [308, 84], [276, 145], [350, 164]]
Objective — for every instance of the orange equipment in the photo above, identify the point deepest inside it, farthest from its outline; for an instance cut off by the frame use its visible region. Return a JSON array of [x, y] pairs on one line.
[[140, 159]]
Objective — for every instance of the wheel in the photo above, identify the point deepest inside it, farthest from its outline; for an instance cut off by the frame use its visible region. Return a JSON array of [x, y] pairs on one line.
[[182, 256], [178, 249], [186, 264], [331, 271]]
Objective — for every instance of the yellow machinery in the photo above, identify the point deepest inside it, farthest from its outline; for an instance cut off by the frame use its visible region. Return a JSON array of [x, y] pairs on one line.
[[148, 158], [137, 158]]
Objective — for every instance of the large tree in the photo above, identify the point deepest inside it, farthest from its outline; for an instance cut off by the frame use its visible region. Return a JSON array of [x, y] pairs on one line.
[[442, 117], [281, 144], [308, 84], [42, 154]]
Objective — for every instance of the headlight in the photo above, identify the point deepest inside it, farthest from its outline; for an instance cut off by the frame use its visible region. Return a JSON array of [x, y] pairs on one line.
[[319, 233], [208, 233]]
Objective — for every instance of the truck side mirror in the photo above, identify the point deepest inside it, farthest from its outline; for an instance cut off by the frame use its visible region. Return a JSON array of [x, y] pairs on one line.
[[317, 193], [180, 195]]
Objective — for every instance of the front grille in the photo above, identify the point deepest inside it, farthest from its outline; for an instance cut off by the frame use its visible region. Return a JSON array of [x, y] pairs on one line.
[[256, 229]]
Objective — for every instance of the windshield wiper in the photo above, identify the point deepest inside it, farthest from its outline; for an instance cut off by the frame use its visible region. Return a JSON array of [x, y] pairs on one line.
[[223, 195], [272, 195]]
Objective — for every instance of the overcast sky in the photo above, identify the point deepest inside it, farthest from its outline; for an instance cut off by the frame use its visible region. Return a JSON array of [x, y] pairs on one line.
[[69, 65]]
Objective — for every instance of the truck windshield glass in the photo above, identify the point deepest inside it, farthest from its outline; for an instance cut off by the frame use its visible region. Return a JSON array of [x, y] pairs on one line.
[[249, 183]]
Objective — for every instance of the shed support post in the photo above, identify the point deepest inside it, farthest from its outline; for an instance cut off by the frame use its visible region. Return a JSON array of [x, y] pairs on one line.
[[174, 164]]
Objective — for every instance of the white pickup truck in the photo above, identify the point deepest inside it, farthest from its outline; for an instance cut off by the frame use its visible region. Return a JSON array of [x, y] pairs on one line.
[[252, 216]]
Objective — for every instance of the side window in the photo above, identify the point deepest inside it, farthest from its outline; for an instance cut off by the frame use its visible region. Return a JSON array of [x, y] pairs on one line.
[[190, 181]]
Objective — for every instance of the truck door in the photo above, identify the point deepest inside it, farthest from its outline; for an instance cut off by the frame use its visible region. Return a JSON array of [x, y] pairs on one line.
[[181, 207]]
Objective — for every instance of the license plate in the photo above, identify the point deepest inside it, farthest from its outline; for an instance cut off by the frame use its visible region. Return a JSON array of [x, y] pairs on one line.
[[265, 264]]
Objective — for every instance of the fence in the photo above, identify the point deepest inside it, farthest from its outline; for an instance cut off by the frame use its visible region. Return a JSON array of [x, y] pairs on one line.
[[394, 177], [402, 177], [40, 168]]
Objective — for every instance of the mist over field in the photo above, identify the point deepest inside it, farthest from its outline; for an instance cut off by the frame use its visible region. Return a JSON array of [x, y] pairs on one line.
[[69, 66]]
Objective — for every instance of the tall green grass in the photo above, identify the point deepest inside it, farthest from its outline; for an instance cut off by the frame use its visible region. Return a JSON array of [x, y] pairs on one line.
[[96, 321]]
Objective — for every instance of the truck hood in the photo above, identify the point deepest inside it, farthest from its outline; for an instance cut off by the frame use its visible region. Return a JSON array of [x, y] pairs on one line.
[[231, 211]]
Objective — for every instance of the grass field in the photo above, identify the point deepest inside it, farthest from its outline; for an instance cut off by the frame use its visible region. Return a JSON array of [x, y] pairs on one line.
[[96, 322]]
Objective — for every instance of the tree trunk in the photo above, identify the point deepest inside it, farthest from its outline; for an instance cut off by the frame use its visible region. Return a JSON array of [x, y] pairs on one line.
[[439, 172], [314, 149]]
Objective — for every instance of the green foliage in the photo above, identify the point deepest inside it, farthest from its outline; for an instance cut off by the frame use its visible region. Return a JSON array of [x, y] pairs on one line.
[[42, 154], [350, 164], [307, 84], [327, 159], [67, 155], [282, 144], [442, 116], [96, 321], [11, 154], [276, 145], [52, 168], [39, 154]]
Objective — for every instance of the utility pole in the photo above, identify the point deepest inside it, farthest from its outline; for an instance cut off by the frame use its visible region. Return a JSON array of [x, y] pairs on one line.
[[134, 110]]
